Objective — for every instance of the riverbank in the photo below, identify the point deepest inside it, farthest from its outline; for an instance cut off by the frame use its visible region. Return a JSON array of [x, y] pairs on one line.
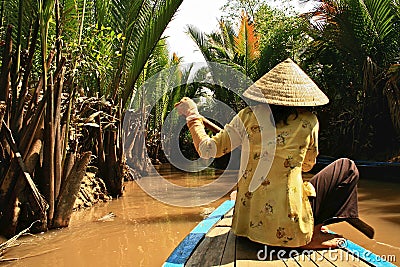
[[92, 191]]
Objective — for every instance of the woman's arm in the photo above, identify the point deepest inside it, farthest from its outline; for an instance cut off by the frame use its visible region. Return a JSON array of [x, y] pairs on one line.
[[218, 145], [210, 147]]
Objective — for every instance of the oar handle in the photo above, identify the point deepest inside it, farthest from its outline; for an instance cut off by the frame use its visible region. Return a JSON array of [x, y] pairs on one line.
[[208, 124], [211, 126]]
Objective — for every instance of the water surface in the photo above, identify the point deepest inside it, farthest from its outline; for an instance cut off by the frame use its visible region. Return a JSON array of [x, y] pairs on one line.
[[145, 231]]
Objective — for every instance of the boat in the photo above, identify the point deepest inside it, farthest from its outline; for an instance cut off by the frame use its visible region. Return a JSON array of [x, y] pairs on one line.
[[212, 243], [377, 170]]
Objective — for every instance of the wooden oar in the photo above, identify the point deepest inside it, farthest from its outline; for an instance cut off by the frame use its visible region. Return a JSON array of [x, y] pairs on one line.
[[211, 126]]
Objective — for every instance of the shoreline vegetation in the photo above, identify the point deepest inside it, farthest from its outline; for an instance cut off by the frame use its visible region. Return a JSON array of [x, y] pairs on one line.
[[66, 76], [71, 70]]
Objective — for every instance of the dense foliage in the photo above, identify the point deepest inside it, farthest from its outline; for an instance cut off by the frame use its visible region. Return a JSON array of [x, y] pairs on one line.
[[349, 47], [68, 71], [354, 56]]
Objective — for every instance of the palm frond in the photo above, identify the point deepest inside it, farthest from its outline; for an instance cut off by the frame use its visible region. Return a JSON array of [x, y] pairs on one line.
[[379, 15], [228, 35], [163, 12], [132, 27], [246, 45], [158, 60], [20, 14], [102, 12], [392, 92], [396, 5], [45, 12], [201, 41]]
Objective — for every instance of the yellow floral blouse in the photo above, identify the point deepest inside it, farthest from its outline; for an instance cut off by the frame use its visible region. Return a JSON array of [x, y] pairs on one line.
[[277, 212]]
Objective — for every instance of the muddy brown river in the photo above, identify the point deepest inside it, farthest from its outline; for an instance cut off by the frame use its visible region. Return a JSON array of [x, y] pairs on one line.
[[145, 231]]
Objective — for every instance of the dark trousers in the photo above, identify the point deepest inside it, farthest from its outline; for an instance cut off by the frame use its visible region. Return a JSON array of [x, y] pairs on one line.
[[336, 188]]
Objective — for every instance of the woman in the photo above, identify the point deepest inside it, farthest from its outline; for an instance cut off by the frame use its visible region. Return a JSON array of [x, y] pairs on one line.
[[282, 210]]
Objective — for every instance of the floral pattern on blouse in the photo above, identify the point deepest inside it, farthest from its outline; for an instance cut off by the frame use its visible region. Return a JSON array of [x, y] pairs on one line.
[[266, 182], [268, 209], [246, 173], [246, 198], [306, 124], [281, 138], [277, 212]]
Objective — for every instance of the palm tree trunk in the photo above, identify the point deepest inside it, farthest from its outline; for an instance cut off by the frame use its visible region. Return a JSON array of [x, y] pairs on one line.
[[58, 32], [5, 90], [13, 191], [69, 191], [110, 173], [36, 93], [48, 153], [6, 67], [25, 80], [16, 68], [58, 136]]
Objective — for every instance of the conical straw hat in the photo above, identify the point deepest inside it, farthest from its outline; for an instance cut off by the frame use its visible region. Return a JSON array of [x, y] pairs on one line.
[[286, 85]]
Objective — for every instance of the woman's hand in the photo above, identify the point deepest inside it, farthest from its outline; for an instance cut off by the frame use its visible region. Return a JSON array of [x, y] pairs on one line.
[[186, 107]]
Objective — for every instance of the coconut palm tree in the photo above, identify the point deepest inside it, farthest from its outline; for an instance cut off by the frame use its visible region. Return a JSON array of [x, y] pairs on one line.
[[135, 28], [238, 49]]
